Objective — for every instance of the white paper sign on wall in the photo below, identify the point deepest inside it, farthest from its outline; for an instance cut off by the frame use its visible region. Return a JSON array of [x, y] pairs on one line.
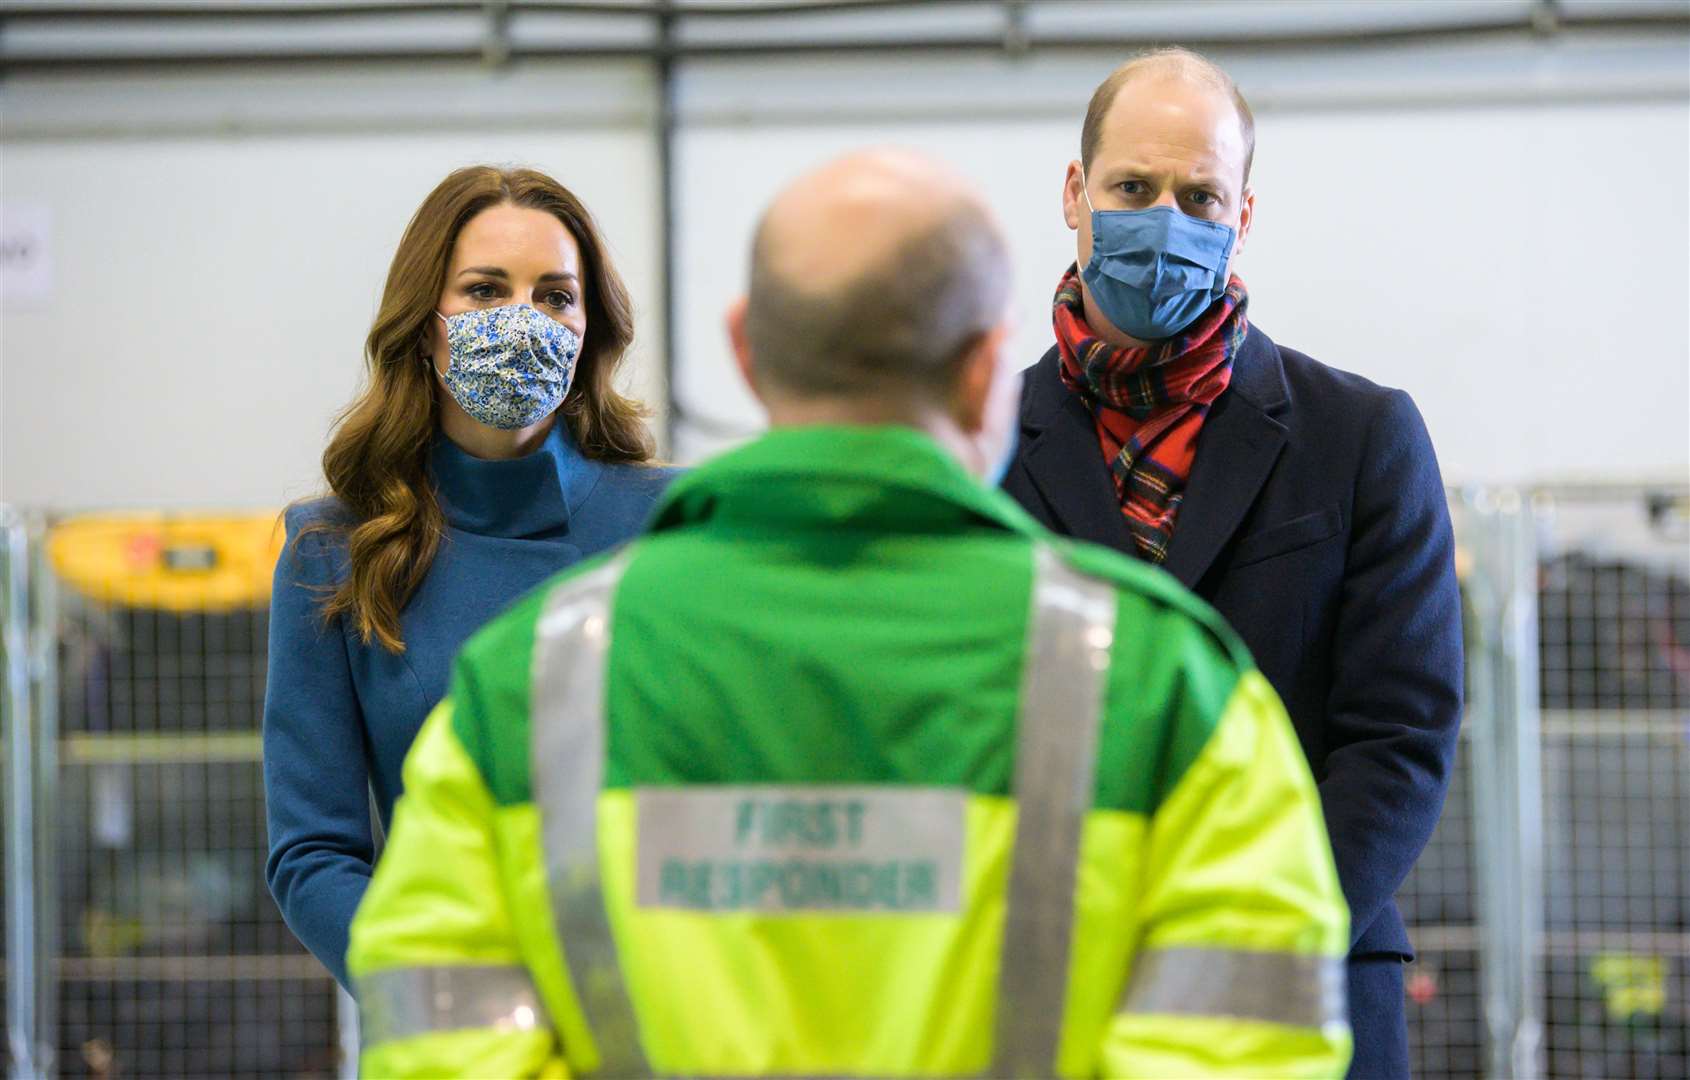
[[26, 256]]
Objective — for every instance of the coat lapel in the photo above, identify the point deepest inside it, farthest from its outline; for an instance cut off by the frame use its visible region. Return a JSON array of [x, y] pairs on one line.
[[1236, 451], [1065, 463]]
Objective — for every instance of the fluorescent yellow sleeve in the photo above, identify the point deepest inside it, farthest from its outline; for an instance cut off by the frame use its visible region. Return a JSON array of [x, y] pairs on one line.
[[441, 982], [1239, 967]]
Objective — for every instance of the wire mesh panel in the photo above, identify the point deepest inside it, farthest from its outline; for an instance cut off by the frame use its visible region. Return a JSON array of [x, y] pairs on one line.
[[1445, 1019], [1449, 1019], [1614, 649], [174, 961], [1439, 902], [1552, 906]]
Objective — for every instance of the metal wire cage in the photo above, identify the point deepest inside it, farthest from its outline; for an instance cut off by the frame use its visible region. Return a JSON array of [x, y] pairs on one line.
[[1551, 907], [170, 959], [1439, 901], [1467, 997], [1614, 670]]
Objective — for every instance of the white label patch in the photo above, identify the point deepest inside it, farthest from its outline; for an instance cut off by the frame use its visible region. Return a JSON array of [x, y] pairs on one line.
[[814, 848]]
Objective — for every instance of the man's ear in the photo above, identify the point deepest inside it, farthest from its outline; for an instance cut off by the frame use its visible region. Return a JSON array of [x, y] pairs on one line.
[[1073, 201], [977, 379], [742, 345], [1246, 217]]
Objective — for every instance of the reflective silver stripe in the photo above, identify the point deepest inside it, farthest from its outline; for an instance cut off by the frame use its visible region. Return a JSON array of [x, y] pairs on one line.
[[566, 764], [403, 1002], [1072, 627], [1278, 988]]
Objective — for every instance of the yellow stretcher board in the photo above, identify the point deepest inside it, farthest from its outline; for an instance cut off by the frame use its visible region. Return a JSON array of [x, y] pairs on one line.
[[169, 562]]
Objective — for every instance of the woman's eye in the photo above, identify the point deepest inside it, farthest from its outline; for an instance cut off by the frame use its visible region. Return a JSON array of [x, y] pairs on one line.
[[560, 299], [483, 291]]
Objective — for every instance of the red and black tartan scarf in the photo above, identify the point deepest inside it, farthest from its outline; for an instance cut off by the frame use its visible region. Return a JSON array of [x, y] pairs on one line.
[[1150, 403]]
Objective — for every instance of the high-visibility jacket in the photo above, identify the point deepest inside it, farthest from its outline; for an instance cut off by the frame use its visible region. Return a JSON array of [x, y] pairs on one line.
[[847, 768]]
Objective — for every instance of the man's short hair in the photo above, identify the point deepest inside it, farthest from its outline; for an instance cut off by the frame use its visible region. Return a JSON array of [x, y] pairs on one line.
[[1176, 60], [899, 328]]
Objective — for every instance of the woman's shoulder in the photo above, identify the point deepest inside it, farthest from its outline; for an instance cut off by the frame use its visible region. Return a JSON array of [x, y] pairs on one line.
[[326, 512], [637, 483], [316, 539]]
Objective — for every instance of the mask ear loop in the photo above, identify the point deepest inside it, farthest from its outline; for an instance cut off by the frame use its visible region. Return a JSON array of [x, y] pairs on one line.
[[1086, 194], [423, 354]]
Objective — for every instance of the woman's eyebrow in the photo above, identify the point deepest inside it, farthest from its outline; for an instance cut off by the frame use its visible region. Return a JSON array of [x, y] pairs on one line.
[[497, 272]]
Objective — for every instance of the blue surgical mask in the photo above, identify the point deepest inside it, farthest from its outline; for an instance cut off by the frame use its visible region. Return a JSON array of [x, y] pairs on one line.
[[508, 367], [1000, 468], [1152, 272]]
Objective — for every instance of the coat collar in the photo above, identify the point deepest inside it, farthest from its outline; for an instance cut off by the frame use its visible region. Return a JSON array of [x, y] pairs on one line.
[[874, 479], [521, 498], [1240, 442]]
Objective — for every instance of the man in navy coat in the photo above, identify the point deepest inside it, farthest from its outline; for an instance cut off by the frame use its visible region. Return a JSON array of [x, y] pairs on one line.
[[1303, 502]]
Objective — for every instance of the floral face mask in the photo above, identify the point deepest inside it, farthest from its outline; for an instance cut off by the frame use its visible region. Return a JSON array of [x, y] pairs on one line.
[[508, 367]]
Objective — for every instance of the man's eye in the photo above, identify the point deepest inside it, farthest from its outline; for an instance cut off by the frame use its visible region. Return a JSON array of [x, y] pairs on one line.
[[1201, 198], [1132, 187]]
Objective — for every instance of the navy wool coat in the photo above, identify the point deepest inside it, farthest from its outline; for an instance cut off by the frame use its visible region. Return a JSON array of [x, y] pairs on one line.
[[1315, 521]]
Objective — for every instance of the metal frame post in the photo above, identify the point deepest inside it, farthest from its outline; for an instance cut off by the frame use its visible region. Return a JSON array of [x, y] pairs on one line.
[[1502, 662], [44, 676], [22, 1030], [28, 920], [667, 126], [1524, 761]]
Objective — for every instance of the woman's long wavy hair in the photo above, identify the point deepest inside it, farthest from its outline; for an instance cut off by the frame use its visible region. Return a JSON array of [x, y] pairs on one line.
[[377, 459]]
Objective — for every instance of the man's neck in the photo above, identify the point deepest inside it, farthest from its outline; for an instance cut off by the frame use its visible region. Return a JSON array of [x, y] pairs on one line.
[[862, 412]]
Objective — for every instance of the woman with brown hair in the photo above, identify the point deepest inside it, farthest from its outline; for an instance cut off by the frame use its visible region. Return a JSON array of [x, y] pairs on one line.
[[488, 451]]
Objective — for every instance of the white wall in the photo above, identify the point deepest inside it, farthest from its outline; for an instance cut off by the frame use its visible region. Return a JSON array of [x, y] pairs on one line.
[[214, 287], [1499, 228], [1501, 232]]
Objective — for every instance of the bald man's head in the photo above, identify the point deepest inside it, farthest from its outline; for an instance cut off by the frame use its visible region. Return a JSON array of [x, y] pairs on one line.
[[871, 276], [1169, 63]]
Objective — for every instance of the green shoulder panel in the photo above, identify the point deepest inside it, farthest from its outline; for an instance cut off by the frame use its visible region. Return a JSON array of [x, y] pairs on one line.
[[1154, 585], [1174, 658], [489, 693], [1174, 667], [840, 656]]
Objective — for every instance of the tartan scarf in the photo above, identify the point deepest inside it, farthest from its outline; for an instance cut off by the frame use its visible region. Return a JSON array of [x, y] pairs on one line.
[[1150, 402]]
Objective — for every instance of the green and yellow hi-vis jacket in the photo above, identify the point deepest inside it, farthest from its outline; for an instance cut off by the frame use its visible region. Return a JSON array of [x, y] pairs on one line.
[[846, 768]]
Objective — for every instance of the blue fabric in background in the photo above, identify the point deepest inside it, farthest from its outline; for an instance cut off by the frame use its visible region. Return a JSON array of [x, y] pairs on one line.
[[340, 715]]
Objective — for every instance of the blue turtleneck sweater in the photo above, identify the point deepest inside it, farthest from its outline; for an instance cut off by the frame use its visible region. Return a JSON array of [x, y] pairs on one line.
[[339, 715]]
